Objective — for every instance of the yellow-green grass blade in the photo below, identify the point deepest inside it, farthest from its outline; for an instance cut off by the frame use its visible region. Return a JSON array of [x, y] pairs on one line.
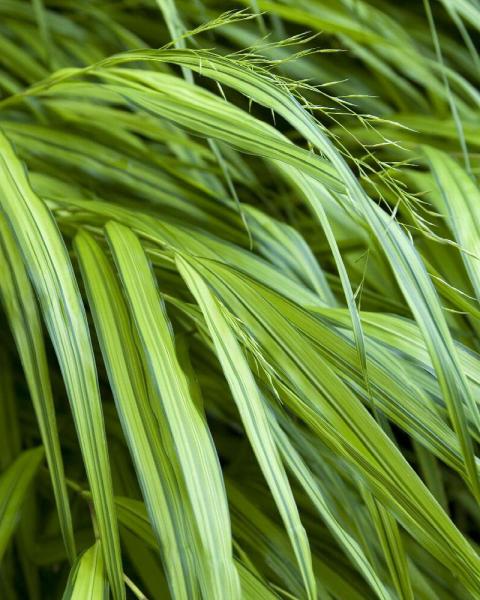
[[21, 308], [312, 196], [15, 482], [136, 177], [113, 326], [391, 543], [193, 444], [458, 201], [176, 28], [403, 336], [254, 417], [87, 580], [50, 270]]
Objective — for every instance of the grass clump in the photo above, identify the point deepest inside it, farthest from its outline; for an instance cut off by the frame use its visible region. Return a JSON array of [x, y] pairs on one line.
[[240, 278]]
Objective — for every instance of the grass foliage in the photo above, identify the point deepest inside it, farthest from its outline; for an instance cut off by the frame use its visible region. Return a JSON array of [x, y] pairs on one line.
[[240, 284]]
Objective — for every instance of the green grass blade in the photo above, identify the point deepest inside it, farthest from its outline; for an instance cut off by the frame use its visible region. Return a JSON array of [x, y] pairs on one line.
[[120, 353], [50, 270], [191, 437], [21, 308], [87, 579], [391, 542], [247, 397], [458, 201], [14, 486]]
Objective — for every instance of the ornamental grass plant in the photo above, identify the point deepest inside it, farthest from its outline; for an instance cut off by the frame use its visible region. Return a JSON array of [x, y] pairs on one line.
[[239, 285]]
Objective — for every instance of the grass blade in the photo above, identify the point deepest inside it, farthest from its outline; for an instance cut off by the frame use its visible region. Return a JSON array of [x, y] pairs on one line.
[[21, 308], [50, 270], [14, 486], [191, 437], [249, 403], [87, 579], [138, 420]]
